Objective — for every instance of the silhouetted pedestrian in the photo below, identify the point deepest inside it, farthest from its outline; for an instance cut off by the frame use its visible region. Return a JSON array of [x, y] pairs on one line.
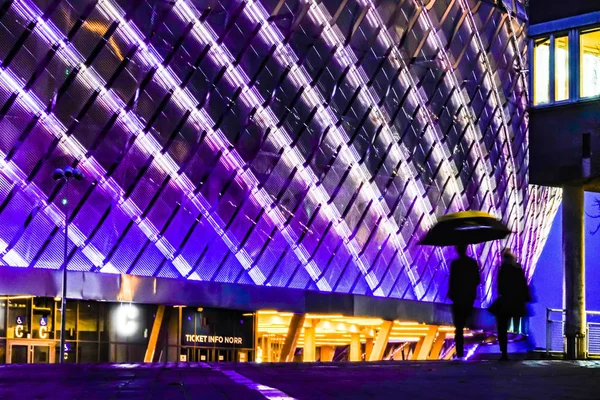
[[464, 279], [513, 296]]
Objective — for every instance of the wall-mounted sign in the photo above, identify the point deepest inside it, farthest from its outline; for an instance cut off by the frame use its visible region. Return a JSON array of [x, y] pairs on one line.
[[43, 331], [213, 339], [213, 327], [19, 328]]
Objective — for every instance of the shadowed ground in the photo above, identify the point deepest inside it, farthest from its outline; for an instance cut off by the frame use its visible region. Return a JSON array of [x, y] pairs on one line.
[[393, 380]]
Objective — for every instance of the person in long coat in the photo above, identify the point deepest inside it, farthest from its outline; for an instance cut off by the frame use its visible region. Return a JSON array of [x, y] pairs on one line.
[[464, 279], [513, 296]]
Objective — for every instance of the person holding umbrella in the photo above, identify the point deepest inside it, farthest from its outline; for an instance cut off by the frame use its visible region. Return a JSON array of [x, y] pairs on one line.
[[461, 229], [464, 279]]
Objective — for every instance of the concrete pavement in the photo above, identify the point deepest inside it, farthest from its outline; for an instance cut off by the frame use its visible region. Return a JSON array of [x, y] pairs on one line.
[[385, 380]]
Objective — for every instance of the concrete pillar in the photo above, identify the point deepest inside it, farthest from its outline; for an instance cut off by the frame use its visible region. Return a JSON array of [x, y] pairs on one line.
[[310, 345], [368, 348], [382, 341], [327, 353], [355, 353], [291, 340], [574, 271], [266, 349]]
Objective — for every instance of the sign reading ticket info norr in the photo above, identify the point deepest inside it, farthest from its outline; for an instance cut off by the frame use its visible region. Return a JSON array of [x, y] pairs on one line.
[[213, 339]]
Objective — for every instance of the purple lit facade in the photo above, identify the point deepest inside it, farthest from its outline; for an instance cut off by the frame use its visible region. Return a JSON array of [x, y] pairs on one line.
[[304, 145]]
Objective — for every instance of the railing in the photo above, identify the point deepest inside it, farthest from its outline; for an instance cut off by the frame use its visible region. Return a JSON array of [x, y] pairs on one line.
[[555, 329]]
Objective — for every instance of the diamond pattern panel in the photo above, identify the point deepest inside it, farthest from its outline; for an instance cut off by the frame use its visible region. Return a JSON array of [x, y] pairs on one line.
[[286, 143]]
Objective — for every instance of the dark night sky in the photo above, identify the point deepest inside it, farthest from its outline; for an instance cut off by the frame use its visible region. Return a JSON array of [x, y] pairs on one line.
[[548, 10], [547, 278]]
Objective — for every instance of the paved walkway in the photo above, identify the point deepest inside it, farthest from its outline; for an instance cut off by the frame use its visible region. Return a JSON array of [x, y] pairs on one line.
[[392, 380]]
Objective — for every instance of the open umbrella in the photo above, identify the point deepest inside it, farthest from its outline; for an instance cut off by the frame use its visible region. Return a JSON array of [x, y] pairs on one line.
[[465, 227]]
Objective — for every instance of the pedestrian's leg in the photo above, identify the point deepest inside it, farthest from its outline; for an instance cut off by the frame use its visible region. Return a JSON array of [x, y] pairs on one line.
[[459, 317], [459, 338], [502, 325]]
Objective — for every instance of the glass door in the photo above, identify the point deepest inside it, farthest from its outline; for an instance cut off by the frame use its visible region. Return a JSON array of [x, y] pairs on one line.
[[40, 354], [224, 355], [18, 355], [204, 355], [30, 352]]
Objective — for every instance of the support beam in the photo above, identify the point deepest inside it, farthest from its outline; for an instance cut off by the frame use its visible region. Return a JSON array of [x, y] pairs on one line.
[[415, 353], [450, 353], [436, 350], [574, 271], [291, 340], [355, 353], [160, 313], [327, 353], [382, 340], [309, 352], [427, 344], [405, 352], [368, 348]]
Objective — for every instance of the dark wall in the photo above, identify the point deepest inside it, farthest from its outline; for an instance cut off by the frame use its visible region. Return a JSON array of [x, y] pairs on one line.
[[549, 10], [556, 142]]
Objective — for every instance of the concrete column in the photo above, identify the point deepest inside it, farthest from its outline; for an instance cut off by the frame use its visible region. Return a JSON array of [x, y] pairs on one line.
[[327, 353], [310, 345], [574, 271], [355, 347], [382, 341], [266, 349], [368, 348], [291, 340]]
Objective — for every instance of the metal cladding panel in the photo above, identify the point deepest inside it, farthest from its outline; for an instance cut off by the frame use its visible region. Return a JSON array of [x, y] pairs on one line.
[[303, 145]]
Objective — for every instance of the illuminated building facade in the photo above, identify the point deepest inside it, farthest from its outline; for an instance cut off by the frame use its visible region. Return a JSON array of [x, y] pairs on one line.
[[262, 144]]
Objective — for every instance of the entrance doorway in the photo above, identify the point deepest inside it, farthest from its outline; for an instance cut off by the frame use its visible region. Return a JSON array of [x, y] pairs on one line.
[[30, 352], [201, 354]]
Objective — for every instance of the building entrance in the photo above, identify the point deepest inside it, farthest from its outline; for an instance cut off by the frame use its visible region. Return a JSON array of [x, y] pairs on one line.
[[199, 354], [30, 351]]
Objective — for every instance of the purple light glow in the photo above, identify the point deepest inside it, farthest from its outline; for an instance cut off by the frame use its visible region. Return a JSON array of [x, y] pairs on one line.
[[306, 193]]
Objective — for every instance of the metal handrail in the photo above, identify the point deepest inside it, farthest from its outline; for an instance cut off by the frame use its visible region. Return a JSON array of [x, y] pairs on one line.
[[549, 311], [588, 337]]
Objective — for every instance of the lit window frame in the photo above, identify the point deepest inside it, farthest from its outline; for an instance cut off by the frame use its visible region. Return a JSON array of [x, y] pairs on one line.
[[573, 28], [573, 67], [581, 32]]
